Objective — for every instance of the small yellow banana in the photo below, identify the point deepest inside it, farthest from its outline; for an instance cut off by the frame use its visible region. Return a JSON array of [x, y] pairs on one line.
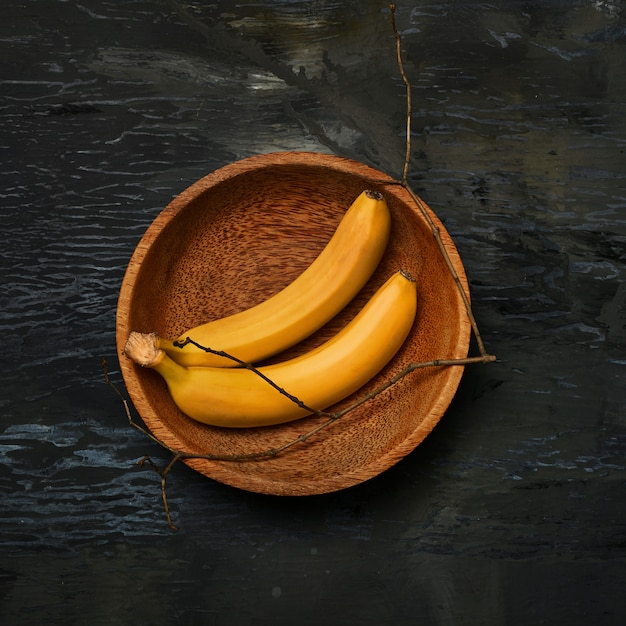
[[239, 397], [316, 296]]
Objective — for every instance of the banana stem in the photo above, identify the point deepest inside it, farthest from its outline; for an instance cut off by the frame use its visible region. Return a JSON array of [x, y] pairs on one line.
[[142, 349]]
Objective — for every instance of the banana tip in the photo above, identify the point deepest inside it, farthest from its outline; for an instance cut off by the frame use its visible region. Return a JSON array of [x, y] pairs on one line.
[[374, 195], [407, 275]]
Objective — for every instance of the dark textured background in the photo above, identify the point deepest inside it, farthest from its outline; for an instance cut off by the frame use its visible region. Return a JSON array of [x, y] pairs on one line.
[[512, 511]]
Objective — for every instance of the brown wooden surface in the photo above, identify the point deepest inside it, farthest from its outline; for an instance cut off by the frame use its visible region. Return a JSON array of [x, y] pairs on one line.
[[239, 235]]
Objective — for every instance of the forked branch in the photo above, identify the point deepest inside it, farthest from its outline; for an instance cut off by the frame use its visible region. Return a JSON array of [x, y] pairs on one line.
[[178, 455]]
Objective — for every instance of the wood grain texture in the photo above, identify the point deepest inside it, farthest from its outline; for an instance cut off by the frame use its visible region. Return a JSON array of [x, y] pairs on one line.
[[239, 235]]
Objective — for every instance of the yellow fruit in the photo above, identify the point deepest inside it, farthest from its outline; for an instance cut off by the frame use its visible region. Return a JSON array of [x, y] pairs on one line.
[[239, 397], [316, 296]]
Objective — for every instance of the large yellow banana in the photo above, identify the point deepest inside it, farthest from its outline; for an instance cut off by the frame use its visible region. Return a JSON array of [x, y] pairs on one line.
[[239, 397], [304, 306]]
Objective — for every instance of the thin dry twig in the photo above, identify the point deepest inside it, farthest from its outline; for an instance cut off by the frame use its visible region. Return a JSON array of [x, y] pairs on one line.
[[163, 474], [273, 452], [254, 370], [178, 455], [418, 201], [407, 84]]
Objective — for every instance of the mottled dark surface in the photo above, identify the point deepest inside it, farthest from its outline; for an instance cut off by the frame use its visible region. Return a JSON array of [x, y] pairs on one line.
[[512, 511]]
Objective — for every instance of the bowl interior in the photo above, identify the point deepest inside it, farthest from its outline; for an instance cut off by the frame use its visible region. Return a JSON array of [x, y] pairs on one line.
[[240, 235]]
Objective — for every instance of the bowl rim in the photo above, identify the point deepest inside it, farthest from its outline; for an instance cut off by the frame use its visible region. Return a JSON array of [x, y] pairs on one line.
[[225, 471]]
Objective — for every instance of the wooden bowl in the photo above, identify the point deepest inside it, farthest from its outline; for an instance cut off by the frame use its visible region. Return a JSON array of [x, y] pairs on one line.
[[244, 232]]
